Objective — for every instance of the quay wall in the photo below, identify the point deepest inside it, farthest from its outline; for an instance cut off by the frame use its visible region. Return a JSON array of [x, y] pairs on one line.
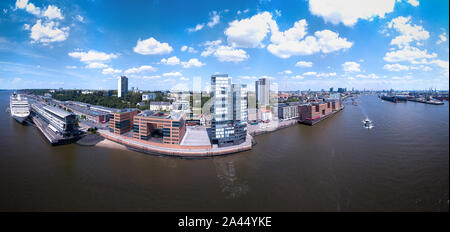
[[175, 149]]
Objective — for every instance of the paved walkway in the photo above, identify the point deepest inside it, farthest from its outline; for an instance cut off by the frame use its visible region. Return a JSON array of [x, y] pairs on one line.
[[177, 150]]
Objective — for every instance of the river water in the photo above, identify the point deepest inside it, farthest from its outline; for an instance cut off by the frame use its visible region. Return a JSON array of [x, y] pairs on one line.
[[402, 164]]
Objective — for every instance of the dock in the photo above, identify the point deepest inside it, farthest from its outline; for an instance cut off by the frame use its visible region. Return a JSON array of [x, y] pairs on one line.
[[52, 137]]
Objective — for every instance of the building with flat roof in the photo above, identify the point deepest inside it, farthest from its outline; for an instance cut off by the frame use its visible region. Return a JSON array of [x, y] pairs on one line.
[[87, 111], [149, 124], [121, 121], [262, 88], [160, 106], [122, 86], [148, 96], [314, 111], [228, 110], [288, 110], [59, 121]]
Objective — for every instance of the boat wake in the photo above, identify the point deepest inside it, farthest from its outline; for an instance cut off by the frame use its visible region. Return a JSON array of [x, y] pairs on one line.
[[367, 124]]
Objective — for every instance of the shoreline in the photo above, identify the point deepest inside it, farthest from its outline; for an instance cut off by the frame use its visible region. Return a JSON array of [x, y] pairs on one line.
[[115, 142], [106, 143]]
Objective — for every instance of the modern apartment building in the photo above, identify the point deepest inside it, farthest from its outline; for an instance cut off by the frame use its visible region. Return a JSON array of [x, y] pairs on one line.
[[262, 88], [121, 121], [122, 86], [228, 110], [149, 122], [288, 110], [59, 121]]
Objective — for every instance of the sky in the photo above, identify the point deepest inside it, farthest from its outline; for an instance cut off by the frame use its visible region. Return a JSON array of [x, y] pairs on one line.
[[166, 45]]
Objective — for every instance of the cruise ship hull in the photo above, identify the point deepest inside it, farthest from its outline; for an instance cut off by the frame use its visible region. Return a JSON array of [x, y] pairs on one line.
[[20, 119]]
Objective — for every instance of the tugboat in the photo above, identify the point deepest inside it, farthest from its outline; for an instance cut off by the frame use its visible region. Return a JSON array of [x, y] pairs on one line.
[[367, 123]]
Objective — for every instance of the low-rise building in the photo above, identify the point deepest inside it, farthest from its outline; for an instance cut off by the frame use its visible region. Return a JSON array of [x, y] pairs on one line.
[[160, 106], [148, 96], [147, 122]]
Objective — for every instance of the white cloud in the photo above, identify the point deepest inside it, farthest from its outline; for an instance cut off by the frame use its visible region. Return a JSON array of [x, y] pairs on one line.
[[170, 61], [413, 2], [150, 77], [368, 76], [143, 68], [79, 18], [442, 38], [198, 27], [304, 64], [184, 79], [298, 77], [29, 7], [21, 4], [192, 63], [71, 67], [395, 67], [151, 46], [243, 12], [408, 32], [319, 74], [349, 12], [96, 65], [53, 12], [173, 74], [351, 66], [309, 74], [188, 49], [215, 19], [48, 32], [286, 72], [224, 53], [324, 41], [411, 54], [109, 71], [249, 32], [93, 56]]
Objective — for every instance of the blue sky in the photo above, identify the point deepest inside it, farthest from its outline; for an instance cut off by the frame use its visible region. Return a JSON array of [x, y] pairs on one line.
[[300, 44]]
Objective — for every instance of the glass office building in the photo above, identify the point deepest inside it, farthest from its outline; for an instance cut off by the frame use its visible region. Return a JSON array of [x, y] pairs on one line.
[[229, 111]]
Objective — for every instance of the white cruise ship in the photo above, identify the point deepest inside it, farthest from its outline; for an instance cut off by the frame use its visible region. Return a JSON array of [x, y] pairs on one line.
[[19, 107]]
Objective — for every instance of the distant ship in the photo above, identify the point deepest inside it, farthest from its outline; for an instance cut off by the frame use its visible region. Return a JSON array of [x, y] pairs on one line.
[[19, 107], [367, 123]]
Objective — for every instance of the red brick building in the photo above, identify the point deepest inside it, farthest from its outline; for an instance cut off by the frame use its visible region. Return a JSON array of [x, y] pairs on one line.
[[314, 111], [121, 121], [173, 127]]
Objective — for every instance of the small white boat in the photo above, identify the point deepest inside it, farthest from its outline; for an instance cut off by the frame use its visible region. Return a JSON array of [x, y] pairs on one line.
[[367, 123]]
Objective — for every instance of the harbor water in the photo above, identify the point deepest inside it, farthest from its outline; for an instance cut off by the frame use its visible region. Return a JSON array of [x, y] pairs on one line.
[[401, 164]]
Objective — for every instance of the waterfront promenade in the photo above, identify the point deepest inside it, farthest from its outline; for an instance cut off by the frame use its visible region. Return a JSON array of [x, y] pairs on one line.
[[191, 151]]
